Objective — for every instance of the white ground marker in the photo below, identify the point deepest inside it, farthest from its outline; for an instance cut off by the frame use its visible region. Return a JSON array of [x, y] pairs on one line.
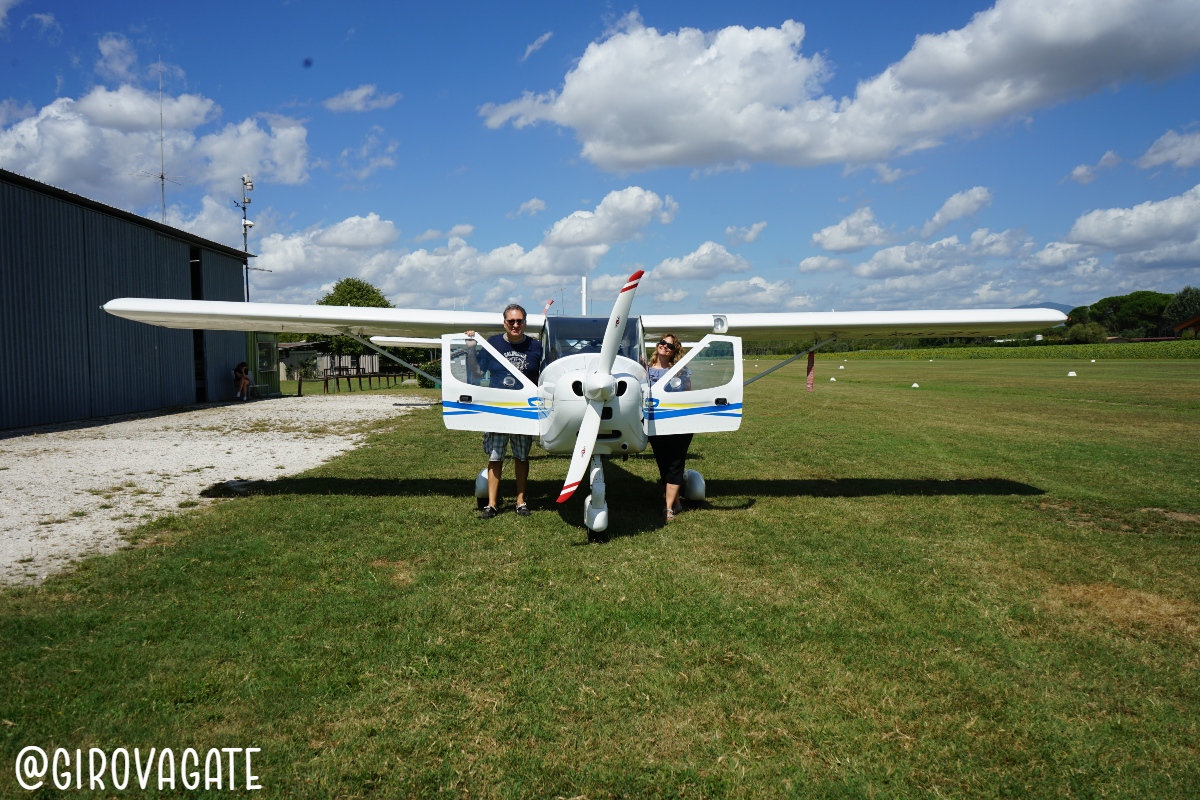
[[1071, 375], [916, 386]]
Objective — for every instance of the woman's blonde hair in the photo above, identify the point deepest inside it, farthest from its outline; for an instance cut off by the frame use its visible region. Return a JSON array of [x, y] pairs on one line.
[[677, 353]]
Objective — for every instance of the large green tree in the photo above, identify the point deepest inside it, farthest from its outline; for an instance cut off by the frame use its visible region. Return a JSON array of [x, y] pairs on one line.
[[354, 292], [1183, 306], [350, 292], [1134, 315]]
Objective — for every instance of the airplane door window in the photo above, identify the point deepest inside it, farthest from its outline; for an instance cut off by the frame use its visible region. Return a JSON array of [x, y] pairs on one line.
[[700, 394], [711, 366], [481, 390], [477, 365]]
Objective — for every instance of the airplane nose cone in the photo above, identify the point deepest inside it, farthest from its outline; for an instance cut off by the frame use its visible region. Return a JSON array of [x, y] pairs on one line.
[[599, 386]]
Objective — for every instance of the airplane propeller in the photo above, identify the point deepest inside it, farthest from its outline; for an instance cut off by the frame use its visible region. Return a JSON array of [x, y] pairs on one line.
[[598, 387]]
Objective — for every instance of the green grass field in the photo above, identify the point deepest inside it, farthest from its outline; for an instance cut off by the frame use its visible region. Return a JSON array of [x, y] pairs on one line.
[[987, 586]]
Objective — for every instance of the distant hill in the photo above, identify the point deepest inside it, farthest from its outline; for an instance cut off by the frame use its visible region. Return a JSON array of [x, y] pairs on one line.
[[1056, 306]]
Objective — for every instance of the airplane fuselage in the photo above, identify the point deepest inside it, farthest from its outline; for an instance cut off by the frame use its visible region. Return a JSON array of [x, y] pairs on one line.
[[563, 397], [571, 350]]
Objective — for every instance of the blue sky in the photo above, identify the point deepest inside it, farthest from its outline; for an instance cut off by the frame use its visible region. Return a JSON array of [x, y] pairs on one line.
[[751, 156]]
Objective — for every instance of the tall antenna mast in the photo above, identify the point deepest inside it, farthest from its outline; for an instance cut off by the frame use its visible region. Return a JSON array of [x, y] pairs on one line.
[[162, 156], [162, 176]]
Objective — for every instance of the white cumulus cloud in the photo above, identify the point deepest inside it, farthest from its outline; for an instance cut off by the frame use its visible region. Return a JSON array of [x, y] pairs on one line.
[[620, 216], [363, 98], [735, 234], [1162, 233], [1178, 150], [823, 264], [118, 59], [639, 98], [129, 109], [756, 292], [671, 296], [706, 261], [362, 246], [531, 206], [11, 110], [460, 231], [919, 258], [100, 146], [358, 233], [959, 205], [855, 232], [1086, 173], [216, 221]]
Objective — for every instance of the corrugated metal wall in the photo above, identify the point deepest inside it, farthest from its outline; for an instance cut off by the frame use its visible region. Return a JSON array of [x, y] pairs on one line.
[[67, 358], [43, 321], [223, 349], [135, 367]]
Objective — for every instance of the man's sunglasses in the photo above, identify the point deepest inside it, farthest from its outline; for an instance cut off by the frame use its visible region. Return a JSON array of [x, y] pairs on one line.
[[514, 322], [665, 343]]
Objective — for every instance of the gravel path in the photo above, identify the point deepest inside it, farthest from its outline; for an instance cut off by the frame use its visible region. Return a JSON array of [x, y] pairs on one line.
[[71, 490]]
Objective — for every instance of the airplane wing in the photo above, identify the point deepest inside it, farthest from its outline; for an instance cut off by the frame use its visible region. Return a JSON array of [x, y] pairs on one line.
[[282, 317], [407, 341], [855, 324]]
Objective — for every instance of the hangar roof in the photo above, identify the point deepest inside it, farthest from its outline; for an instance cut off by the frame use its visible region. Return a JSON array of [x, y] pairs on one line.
[[80, 200]]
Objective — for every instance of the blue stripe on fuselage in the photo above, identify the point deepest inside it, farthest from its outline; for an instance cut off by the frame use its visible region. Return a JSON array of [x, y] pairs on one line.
[[723, 411], [476, 408]]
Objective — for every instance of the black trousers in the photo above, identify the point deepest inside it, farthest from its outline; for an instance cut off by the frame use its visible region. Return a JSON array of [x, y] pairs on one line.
[[671, 454]]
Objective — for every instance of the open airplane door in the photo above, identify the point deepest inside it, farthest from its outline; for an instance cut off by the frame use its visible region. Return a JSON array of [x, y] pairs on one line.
[[483, 391], [700, 394]]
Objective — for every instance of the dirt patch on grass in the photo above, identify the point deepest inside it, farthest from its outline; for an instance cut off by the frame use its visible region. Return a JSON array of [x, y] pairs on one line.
[[401, 572], [1144, 521], [1178, 516], [1128, 609]]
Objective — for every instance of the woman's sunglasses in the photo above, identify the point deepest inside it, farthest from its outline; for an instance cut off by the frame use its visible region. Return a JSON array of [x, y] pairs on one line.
[[668, 345]]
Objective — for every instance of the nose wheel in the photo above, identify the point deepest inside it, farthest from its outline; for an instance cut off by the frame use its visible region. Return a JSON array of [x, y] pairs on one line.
[[595, 509]]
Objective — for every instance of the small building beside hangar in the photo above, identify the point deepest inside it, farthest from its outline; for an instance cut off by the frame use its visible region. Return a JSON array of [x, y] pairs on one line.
[[62, 256]]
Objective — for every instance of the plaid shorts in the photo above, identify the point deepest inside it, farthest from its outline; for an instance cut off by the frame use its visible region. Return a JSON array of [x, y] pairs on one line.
[[494, 444]]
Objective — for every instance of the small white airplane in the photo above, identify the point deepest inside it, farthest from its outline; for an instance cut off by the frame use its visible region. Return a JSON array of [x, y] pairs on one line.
[[593, 398]]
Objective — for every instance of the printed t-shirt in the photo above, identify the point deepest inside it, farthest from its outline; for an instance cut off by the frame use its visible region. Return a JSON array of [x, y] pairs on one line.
[[526, 356]]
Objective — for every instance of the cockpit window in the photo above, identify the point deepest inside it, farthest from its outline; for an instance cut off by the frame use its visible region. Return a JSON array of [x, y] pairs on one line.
[[568, 336]]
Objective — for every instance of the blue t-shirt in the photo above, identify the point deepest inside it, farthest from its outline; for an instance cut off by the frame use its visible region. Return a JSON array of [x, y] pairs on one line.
[[526, 356]]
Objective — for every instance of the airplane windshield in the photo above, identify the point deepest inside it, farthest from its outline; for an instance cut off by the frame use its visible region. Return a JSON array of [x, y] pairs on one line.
[[568, 336]]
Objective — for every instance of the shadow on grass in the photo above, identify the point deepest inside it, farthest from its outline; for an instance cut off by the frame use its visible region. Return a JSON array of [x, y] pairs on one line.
[[544, 492], [870, 487], [635, 502]]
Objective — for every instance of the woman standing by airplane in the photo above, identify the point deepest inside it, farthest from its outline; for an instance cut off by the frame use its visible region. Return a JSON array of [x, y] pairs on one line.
[[670, 451]]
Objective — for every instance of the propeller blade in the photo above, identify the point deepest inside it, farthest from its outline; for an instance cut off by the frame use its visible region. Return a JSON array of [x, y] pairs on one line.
[[616, 324], [584, 443]]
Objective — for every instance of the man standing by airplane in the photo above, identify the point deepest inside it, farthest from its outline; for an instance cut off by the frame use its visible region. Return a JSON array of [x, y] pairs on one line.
[[525, 354]]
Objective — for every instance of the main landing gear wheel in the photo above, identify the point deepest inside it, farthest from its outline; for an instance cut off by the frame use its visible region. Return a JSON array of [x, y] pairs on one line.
[[481, 489]]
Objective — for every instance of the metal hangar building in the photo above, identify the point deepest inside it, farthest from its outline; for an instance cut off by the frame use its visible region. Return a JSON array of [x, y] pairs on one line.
[[61, 257]]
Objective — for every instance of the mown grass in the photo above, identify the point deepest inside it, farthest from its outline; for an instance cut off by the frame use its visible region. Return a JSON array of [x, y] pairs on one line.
[[1125, 350], [983, 587]]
